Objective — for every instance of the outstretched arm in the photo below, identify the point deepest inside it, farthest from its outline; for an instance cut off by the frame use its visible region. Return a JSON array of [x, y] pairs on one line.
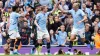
[[55, 7]]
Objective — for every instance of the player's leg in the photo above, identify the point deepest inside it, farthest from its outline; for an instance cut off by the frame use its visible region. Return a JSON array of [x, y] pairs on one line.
[[35, 43], [39, 48], [48, 41], [73, 35], [17, 43], [48, 45], [82, 35], [12, 46], [35, 47], [12, 38], [39, 41]]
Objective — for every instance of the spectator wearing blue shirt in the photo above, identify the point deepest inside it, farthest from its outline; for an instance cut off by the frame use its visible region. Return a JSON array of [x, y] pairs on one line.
[[62, 36], [87, 10], [12, 2]]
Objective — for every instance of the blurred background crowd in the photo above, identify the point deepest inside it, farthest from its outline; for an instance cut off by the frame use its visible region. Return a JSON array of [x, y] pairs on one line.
[[27, 28]]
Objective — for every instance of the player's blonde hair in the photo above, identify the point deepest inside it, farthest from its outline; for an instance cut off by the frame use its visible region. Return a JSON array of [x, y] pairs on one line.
[[76, 5]]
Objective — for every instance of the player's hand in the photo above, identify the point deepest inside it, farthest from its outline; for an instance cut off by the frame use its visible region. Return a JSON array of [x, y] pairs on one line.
[[79, 22]]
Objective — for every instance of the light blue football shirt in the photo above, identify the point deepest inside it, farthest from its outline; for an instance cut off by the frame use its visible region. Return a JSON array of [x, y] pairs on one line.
[[14, 21], [77, 16], [42, 20]]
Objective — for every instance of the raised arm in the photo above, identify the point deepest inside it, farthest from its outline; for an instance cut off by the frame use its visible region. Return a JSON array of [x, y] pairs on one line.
[[55, 7]]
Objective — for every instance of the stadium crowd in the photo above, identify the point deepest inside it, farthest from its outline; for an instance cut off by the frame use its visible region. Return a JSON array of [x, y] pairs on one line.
[[59, 23]]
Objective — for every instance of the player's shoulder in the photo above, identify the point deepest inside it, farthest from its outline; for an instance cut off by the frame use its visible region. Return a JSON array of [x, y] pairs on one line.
[[39, 14], [13, 13], [80, 10]]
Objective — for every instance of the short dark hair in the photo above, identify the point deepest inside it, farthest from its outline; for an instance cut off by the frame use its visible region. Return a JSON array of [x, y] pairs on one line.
[[14, 8], [43, 7], [60, 51], [75, 50]]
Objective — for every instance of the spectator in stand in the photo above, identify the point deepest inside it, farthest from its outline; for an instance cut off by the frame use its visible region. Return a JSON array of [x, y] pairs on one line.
[[1, 10], [28, 29], [1, 4], [87, 10], [57, 23], [12, 3], [62, 35], [20, 23], [25, 37], [63, 5], [96, 39], [68, 22], [88, 34], [96, 14], [7, 4], [47, 3], [53, 37], [97, 6], [4, 29], [95, 25], [50, 22], [89, 4]]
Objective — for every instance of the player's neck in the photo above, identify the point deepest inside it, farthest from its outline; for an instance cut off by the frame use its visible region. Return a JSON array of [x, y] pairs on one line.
[[43, 12], [76, 10]]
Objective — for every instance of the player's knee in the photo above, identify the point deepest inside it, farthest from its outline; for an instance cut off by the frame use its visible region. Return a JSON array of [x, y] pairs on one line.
[[5, 48], [18, 42], [48, 40], [40, 41], [12, 43]]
